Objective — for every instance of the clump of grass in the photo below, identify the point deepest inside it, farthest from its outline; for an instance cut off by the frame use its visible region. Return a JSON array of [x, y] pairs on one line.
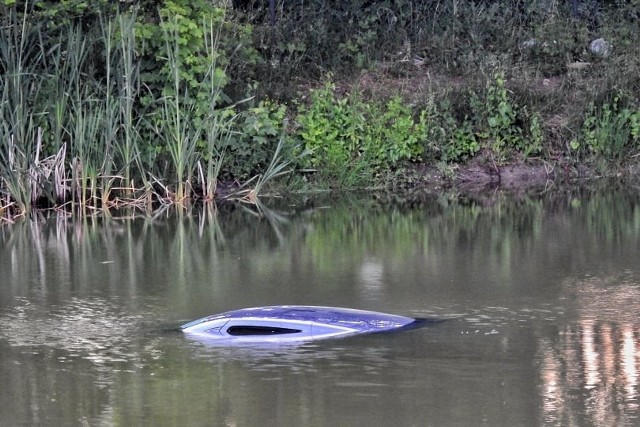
[[183, 124], [611, 130], [128, 83], [19, 131], [253, 188]]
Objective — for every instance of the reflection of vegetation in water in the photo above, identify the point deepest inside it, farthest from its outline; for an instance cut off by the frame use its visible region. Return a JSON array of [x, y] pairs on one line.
[[211, 249], [347, 233], [156, 386], [435, 231], [449, 235], [612, 216]]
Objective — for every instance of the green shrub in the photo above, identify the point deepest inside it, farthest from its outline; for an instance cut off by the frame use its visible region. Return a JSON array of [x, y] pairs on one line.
[[254, 138], [448, 139], [185, 55], [504, 125], [611, 131], [54, 14], [346, 134], [175, 38], [457, 131], [392, 134], [330, 128]]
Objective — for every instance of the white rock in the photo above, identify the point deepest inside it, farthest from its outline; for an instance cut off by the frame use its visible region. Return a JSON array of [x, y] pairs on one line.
[[600, 47]]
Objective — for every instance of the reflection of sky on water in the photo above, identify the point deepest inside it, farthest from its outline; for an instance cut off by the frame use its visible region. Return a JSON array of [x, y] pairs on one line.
[[589, 371], [371, 280], [95, 329]]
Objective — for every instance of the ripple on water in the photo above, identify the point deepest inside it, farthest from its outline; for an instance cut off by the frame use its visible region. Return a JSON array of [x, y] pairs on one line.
[[489, 320], [95, 329]]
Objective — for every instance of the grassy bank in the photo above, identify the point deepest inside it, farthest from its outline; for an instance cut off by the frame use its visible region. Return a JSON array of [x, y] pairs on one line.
[[106, 105]]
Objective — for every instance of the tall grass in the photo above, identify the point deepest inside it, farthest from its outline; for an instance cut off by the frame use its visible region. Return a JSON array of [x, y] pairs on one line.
[[87, 164], [254, 187], [218, 122], [72, 124], [53, 115], [19, 131], [177, 129], [129, 90], [192, 125]]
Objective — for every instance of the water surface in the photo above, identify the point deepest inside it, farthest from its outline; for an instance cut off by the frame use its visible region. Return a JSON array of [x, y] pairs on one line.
[[540, 291]]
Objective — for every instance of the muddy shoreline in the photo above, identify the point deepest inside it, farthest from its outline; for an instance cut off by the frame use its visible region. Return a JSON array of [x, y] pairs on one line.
[[518, 176]]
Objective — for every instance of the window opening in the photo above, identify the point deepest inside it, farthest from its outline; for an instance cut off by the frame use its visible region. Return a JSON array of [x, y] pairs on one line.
[[242, 330]]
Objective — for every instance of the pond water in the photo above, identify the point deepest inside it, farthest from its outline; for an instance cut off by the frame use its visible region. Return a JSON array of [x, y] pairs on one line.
[[540, 292]]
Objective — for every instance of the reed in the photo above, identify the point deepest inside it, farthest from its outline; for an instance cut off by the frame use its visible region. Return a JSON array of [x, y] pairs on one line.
[[87, 162], [13, 179], [253, 188], [219, 122], [181, 138], [80, 120], [117, 138], [129, 90], [19, 131], [112, 111], [177, 107], [73, 120], [191, 124], [63, 110]]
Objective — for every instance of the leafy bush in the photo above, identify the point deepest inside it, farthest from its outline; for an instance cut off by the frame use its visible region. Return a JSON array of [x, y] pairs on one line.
[[254, 138], [504, 125], [611, 131], [449, 139], [392, 134], [174, 39], [461, 124], [58, 14], [347, 133], [330, 128]]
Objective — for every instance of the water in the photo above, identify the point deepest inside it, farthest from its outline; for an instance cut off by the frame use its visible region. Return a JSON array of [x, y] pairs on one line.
[[540, 292]]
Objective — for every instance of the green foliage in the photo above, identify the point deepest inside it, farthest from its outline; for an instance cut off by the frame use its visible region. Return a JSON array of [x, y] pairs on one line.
[[57, 14], [185, 58], [358, 45], [76, 116], [348, 134], [175, 41], [21, 98], [555, 40], [330, 128], [256, 132], [92, 92], [612, 130], [503, 124], [392, 134], [458, 131], [453, 35], [449, 139]]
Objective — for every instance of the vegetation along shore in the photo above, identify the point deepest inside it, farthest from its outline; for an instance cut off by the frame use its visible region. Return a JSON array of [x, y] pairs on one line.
[[144, 103]]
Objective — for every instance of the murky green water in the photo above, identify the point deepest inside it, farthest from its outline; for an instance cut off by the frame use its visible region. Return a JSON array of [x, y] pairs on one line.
[[542, 293]]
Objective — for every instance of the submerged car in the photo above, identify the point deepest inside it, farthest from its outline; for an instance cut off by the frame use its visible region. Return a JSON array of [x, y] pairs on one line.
[[291, 323]]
